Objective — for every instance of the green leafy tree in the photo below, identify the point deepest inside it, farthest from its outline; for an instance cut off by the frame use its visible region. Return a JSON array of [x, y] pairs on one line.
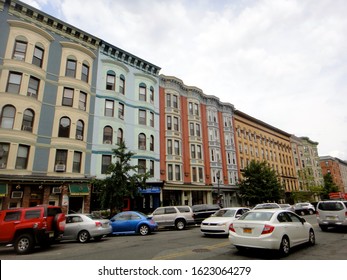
[[329, 186], [122, 181], [260, 183]]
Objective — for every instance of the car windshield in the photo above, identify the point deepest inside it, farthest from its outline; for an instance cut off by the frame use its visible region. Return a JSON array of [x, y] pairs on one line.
[[225, 213], [256, 216]]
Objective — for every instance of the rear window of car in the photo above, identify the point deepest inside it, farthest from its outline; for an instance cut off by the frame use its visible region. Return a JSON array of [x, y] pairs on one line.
[[330, 206], [183, 209], [256, 216], [52, 211]]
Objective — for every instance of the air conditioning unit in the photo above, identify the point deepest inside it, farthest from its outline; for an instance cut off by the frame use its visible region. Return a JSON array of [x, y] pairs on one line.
[[79, 137], [108, 142], [56, 190], [17, 194], [60, 167]]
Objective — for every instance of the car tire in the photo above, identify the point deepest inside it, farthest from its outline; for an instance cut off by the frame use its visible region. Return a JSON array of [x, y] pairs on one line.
[[24, 244], [310, 212], [284, 247], [143, 230], [302, 213], [180, 224], [83, 236], [311, 238]]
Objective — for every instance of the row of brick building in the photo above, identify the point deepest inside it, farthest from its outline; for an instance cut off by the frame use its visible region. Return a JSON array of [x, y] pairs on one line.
[[68, 97]]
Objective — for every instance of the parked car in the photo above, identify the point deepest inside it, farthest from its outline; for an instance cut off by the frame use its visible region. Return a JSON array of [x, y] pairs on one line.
[[266, 206], [132, 222], [174, 216], [83, 227], [332, 213], [203, 211], [30, 226], [218, 223], [271, 229], [304, 208], [287, 207]]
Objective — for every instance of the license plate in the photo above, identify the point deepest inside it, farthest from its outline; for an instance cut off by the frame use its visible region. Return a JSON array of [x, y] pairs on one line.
[[247, 230], [331, 218], [51, 234]]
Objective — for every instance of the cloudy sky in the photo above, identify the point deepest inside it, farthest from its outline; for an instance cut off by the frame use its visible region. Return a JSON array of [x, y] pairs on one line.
[[283, 62]]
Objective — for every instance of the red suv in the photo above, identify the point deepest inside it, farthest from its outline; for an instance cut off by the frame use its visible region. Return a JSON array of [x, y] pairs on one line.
[[27, 227]]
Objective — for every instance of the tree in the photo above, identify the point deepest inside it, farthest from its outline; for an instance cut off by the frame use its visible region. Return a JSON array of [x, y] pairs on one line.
[[123, 180], [260, 183], [329, 186]]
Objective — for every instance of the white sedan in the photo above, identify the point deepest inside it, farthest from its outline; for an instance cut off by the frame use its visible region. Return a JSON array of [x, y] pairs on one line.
[[271, 229], [219, 222]]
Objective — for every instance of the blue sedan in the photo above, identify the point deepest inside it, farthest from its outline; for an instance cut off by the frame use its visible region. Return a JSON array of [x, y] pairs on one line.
[[132, 222]]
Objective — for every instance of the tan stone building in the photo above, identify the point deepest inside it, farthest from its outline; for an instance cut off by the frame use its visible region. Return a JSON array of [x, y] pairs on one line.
[[257, 140]]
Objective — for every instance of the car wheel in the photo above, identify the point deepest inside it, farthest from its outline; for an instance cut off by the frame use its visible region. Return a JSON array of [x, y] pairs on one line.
[[24, 244], [302, 213], [284, 247], [311, 238], [180, 224], [144, 230], [83, 236], [310, 212]]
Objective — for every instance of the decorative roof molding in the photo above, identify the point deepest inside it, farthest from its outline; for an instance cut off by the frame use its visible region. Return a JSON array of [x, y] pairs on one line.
[[78, 47]]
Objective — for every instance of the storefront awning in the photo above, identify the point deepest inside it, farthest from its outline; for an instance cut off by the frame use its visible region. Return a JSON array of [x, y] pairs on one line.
[[3, 190], [79, 189]]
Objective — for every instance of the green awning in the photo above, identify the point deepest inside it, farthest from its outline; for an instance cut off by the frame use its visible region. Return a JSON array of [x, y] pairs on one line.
[[79, 189], [3, 190]]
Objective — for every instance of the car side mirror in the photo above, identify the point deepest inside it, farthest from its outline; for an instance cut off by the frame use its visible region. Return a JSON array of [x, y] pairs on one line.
[[238, 216], [112, 220], [303, 220]]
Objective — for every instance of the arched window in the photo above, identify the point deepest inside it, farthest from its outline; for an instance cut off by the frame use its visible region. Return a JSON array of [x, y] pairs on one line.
[[107, 138], [119, 136], [64, 127], [142, 92], [38, 55], [122, 84], [71, 65], [110, 80], [142, 141], [79, 130], [85, 72], [151, 94], [20, 48], [28, 120], [7, 116], [151, 144]]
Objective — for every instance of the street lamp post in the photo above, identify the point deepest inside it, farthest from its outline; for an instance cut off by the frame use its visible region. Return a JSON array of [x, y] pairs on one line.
[[218, 177]]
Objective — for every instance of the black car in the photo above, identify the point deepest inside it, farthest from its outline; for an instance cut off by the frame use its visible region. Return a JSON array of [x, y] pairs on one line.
[[203, 211]]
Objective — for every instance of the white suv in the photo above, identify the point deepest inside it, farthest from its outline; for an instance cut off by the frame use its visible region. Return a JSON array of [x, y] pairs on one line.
[[173, 216], [331, 213]]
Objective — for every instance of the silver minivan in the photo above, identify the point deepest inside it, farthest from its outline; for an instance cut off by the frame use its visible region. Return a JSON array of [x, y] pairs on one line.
[[331, 213]]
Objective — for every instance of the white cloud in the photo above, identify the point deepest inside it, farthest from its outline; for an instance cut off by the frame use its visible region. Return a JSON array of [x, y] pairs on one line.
[[283, 62]]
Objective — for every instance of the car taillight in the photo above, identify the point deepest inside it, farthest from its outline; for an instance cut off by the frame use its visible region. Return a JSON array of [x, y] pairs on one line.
[[268, 229], [346, 214], [231, 228], [98, 224]]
